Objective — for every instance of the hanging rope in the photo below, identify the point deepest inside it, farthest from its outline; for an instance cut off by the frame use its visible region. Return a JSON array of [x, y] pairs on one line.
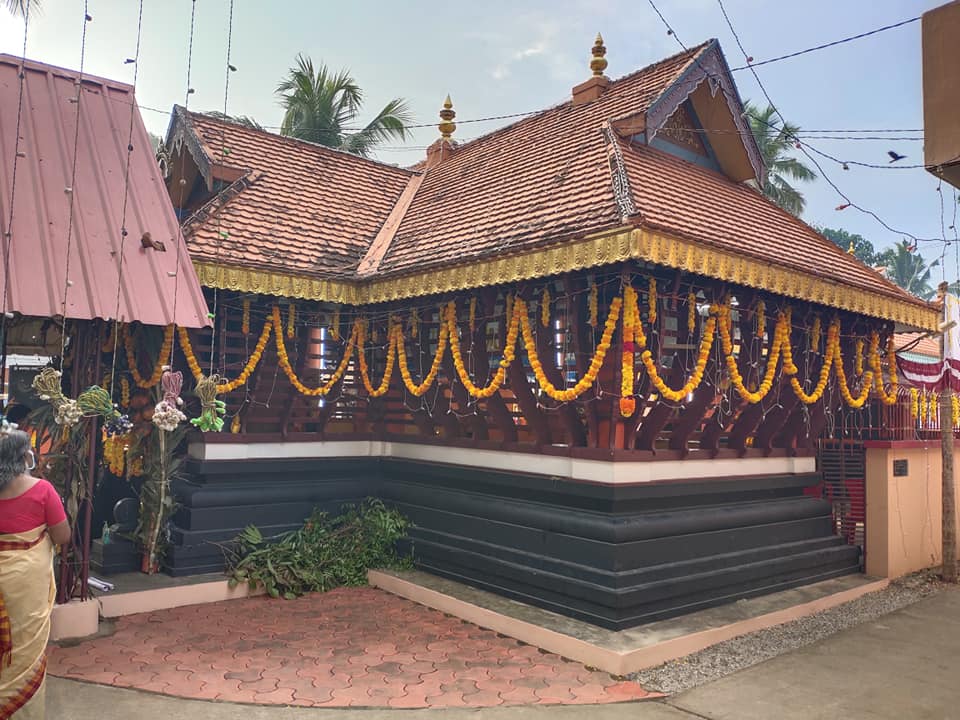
[[78, 83], [126, 197]]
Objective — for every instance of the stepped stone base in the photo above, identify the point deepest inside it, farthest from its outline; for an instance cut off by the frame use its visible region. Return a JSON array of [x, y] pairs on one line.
[[616, 556]]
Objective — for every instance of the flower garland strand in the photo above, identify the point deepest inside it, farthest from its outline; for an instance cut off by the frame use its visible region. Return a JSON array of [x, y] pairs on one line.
[[164, 355], [545, 308], [590, 377], [291, 320], [335, 325], [815, 335], [384, 385], [628, 404], [509, 349], [761, 318], [473, 314], [592, 305], [652, 301], [691, 313], [415, 389], [284, 359], [245, 319]]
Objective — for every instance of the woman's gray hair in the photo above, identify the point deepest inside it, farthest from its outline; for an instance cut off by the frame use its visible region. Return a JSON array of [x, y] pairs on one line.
[[14, 446]]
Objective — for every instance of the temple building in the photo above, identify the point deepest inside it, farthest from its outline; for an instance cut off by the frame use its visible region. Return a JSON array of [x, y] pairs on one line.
[[583, 353]]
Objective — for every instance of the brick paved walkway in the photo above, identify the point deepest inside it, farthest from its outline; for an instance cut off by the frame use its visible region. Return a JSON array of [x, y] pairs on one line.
[[347, 647]]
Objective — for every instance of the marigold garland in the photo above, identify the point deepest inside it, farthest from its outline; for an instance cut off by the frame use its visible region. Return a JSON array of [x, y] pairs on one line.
[[934, 408], [885, 397], [590, 377], [923, 408], [691, 313], [162, 358], [291, 320], [284, 359], [858, 357], [778, 345], [592, 305], [124, 393], [245, 319], [247, 370], [955, 403], [473, 314], [509, 348], [384, 385], [335, 325], [628, 403], [545, 308], [414, 322], [696, 377], [815, 335], [761, 318], [652, 301], [915, 403], [419, 389]]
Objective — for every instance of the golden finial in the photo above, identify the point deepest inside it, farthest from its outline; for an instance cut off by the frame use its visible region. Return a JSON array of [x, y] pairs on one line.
[[850, 249], [599, 62], [447, 114]]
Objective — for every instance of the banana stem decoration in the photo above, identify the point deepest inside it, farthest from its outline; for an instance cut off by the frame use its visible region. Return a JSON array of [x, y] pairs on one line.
[[211, 409]]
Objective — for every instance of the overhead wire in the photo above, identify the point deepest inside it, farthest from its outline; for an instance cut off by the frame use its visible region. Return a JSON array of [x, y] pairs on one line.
[[126, 197], [798, 53], [78, 83], [8, 231], [803, 147]]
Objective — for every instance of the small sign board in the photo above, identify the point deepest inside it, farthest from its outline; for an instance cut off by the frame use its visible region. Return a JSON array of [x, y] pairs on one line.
[[900, 468]]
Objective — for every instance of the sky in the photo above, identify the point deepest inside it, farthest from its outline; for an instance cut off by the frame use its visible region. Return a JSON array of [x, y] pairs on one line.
[[499, 58]]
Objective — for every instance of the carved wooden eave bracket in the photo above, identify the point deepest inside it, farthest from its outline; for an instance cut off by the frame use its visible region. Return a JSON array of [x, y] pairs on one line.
[[619, 179]]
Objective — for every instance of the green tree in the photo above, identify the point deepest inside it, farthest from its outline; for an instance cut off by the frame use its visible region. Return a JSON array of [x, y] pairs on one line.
[[320, 106], [244, 120], [776, 140], [909, 270], [863, 249], [19, 7]]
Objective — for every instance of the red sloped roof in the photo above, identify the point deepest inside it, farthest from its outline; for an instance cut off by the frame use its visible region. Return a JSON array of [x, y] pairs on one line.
[[539, 180], [154, 287], [309, 209], [693, 202]]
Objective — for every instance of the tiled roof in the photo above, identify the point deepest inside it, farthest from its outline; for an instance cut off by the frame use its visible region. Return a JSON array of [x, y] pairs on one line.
[[927, 347], [699, 204], [537, 181], [308, 209], [154, 287]]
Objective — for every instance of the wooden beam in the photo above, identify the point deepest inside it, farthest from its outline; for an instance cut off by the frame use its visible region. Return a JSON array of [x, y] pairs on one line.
[[520, 385], [495, 406], [579, 329], [574, 432]]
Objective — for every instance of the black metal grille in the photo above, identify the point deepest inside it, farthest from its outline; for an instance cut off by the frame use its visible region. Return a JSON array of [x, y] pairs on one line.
[[842, 464]]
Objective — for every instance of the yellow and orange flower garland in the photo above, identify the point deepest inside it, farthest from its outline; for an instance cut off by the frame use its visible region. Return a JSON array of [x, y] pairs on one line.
[[691, 313], [245, 319], [162, 359], [634, 340], [473, 314], [291, 320], [652, 301], [545, 308], [761, 318], [592, 305]]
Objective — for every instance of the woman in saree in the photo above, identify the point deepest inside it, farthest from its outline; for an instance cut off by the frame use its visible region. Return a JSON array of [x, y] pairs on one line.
[[32, 521]]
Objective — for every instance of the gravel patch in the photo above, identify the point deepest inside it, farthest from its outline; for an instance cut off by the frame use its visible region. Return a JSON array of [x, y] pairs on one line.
[[730, 656]]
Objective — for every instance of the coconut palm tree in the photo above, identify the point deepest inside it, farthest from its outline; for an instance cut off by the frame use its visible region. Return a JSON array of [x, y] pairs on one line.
[[19, 7], [909, 270], [321, 105], [776, 140]]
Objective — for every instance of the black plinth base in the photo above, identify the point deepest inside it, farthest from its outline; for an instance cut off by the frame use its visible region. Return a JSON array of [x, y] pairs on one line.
[[614, 555]]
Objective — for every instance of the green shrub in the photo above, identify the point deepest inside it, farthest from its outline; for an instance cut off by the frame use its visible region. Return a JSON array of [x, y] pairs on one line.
[[326, 552]]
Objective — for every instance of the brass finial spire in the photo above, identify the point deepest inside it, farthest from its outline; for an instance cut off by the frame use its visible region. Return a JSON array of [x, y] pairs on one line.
[[599, 61], [447, 114]]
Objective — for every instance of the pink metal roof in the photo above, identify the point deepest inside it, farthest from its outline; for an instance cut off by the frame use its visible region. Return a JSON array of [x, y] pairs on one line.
[[154, 287]]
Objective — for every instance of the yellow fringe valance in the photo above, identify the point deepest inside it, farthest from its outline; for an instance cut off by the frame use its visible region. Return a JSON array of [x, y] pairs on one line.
[[601, 249]]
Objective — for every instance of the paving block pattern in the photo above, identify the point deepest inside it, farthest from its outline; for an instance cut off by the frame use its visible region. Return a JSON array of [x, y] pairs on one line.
[[349, 647]]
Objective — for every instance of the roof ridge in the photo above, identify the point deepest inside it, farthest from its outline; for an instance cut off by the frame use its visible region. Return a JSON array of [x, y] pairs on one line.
[[695, 50], [294, 141]]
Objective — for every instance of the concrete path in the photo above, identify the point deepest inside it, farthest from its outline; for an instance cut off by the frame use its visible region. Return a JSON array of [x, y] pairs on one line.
[[904, 665]]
